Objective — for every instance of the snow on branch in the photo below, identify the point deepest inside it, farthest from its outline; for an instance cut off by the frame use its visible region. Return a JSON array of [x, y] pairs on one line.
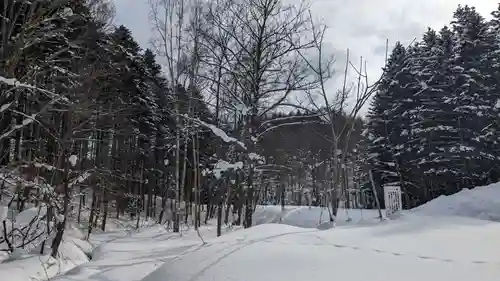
[[222, 166], [219, 132], [16, 83], [28, 119], [4, 107], [14, 128], [81, 178], [289, 118], [283, 125]]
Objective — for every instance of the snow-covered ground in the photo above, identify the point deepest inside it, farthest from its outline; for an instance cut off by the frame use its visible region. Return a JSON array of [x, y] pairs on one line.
[[416, 248], [450, 238], [75, 250], [31, 266], [314, 217], [135, 256]]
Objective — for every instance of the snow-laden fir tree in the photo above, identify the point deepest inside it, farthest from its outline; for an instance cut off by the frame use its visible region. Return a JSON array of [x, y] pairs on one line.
[[381, 128], [473, 98]]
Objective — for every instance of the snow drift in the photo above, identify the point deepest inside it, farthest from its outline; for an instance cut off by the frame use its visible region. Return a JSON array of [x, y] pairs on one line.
[[482, 202]]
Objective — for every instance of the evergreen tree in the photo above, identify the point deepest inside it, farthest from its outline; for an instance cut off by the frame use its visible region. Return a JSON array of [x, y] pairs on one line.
[[438, 113], [382, 132], [430, 119], [474, 98]]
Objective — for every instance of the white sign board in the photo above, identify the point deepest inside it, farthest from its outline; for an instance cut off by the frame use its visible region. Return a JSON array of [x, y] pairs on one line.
[[393, 199]]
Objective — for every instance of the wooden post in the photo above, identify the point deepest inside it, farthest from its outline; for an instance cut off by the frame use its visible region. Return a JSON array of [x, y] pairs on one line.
[[375, 194]]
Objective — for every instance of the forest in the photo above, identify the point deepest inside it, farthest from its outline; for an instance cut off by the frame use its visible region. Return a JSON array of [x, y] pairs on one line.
[[433, 126], [229, 109]]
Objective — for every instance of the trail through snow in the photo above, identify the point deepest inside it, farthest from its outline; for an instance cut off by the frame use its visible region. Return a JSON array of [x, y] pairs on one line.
[[133, 257]]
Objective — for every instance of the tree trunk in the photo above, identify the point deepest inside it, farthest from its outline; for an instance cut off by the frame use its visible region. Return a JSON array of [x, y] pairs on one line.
[[80, 205], [228, 204], [92, 211], [105, 210], [220, 205], [282, 197], [61, 225]]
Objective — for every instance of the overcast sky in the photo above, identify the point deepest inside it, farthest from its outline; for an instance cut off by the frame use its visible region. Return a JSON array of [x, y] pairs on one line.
[[360, 25]]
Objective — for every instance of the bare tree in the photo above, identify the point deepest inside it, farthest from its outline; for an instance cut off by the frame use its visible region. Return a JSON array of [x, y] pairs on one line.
[[257, 65], [169, 26], [177, 24], [341, 110]]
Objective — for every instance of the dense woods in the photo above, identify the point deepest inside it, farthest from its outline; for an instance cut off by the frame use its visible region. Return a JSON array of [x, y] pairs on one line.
[[433, 127]]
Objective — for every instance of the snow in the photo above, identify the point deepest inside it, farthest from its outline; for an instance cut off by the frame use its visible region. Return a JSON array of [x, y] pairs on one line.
[[32, 268], [73, 159], [43, 165], [222, 166], [481, 203], [3, 213], [29, 120], [135, 256], [314, 217], [81, 178], [409, 249], [67, 12], [450, 238], [5, 106], [27, 264], [75, 250], [497, 104], [254, 156], [16, 83], [221, 134]]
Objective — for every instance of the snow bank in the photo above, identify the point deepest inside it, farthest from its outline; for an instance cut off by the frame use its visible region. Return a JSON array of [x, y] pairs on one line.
[[481, 202], [26, 263], [31, 266]]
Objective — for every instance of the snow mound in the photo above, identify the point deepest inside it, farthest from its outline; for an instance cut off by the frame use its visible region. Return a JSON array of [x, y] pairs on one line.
[[26, 263], [72, 253], [482, 202]]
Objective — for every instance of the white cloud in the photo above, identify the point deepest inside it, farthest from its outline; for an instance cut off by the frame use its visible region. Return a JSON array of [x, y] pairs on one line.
[[360, 25]]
